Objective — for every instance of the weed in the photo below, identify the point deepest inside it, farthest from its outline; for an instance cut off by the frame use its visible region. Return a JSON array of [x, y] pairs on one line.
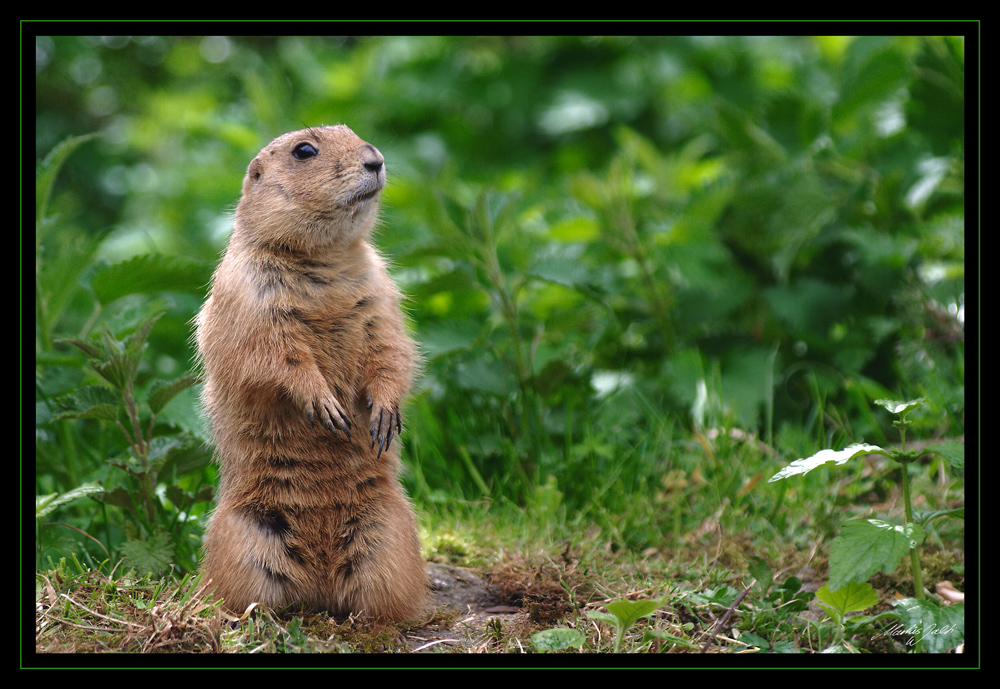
[[624, 613], [866, 546]]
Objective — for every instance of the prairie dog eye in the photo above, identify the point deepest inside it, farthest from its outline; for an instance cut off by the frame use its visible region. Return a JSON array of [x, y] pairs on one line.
[[304, 151]]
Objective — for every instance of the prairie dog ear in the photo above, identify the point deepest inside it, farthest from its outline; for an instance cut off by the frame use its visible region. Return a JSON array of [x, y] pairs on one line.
[[254, 172]]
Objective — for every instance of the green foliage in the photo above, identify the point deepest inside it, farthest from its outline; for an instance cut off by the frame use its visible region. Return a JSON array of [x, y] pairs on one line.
[[47, 503], [777, 610], [938, 628], [625, 613], [616, 250], [114, 400], [866, 546], [117, 361], [557, 639], [853, 597]]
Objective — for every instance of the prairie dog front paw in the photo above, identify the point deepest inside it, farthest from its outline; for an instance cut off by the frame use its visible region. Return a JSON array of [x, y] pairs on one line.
[[330, 414], [383, 420]]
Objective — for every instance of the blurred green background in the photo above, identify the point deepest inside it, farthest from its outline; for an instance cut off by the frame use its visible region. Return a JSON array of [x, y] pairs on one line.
[[612, 247]]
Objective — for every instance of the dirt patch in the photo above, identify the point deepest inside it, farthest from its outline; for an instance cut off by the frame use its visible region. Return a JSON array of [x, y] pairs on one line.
[[464, 606]]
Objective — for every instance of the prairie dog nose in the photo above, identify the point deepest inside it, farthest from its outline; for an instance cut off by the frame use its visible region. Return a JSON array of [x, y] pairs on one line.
[[372, 159]]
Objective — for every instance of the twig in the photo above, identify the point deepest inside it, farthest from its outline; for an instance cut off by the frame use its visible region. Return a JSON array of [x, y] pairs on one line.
[[725, 618]]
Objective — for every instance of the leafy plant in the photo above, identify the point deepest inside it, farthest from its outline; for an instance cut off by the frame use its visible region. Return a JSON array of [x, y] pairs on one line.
[[778, 607], [866, 546], [854, 597], [557, 639], [117, 362], [66, 272], [624, 613]]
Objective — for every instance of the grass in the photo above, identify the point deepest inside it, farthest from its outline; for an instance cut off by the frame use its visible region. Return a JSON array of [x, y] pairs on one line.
[[718, 581]]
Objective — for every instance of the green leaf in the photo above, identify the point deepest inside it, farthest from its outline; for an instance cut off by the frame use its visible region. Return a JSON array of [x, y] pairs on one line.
[[148, 273], [119, 497], [178, 454], [760, 571], [48, 169], [938, 628], [152, 556], [61, 262], [765, 646], [628, 611], [161, 391], [438, 339], [116, 360], [901, 408], [557, 639], [602, 616], [868, 545], [804, 466], [854, 597], [182, 499], [90, 402], [925, 517], [44, 504], [567, 271], [952, 451]]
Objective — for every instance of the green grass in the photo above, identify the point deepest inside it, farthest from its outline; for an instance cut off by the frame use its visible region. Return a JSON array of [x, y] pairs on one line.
[[561, 572]]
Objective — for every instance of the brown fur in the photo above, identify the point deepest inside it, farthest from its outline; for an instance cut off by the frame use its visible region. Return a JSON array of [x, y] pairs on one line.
[[306, 364]]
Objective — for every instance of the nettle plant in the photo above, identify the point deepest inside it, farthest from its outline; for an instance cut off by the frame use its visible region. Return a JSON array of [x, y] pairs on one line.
[[149, 463], [866, 546]]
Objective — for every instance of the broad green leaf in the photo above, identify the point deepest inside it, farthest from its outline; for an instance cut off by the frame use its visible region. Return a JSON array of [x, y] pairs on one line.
[[880, 73], [628, 611], [178, 454], [952, 451], [803, 466], [152, 556], [65, 257], [89, 402], [854, 597], [867, 545], [938, 628], [557, 639], [119, 497], [567, 271], [722, 596], [901, 408], [161, 391], [148, 273]]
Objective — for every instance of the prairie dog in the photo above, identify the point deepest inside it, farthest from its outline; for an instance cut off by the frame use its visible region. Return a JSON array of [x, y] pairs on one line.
[[306, 364]]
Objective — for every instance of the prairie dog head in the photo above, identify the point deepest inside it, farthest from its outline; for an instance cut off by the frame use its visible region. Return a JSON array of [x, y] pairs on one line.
[[312, 188]]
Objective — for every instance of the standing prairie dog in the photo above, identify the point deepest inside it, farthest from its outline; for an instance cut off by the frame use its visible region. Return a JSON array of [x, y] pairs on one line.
[[306, 363]]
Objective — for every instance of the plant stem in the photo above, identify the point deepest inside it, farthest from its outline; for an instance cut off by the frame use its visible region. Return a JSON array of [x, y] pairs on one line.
[[918, 579]]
